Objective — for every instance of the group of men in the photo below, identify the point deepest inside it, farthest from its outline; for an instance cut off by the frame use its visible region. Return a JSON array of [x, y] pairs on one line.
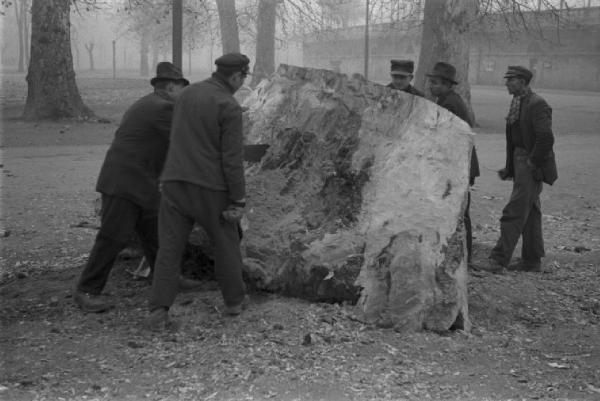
[[530, 160], [177, 159]]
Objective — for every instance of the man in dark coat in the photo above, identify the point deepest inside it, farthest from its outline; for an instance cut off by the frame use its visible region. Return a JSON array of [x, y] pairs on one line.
[[402, 74], [529, 163], [128, 183], [441, 84], [203, 181]]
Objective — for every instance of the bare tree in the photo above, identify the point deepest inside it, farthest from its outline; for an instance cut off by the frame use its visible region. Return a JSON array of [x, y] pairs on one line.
[[90, 49], [265, 40], [445, 37], [22, 18], [52, 90], [229, 26]]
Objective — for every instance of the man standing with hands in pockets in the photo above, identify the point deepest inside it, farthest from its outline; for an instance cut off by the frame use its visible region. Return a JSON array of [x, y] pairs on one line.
[[203, 181]]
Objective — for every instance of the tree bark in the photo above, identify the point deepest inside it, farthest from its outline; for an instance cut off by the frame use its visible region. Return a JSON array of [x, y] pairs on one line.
[[90, 50], [446, 38], [52, 90], [264, 64], [229, 26]]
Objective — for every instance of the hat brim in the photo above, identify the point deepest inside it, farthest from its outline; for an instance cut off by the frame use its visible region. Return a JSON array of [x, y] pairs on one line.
[[513, 76], [158, 79], [442, 77], [403, 73]]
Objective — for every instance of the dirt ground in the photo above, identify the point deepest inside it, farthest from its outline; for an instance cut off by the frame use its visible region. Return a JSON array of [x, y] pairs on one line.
[[535, 336]]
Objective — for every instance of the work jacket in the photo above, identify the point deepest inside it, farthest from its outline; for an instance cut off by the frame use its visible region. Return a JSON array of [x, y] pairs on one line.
[[137, 154], [207, 140]]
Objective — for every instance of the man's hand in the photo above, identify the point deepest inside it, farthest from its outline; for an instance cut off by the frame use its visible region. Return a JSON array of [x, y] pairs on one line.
[[234, 212], [503, 174], [537, 173]]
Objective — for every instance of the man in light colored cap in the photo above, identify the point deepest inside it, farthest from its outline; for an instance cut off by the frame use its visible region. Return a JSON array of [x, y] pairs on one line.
[[203, 182], [128, 182], [402, 74], [442, 80], [529, 163]]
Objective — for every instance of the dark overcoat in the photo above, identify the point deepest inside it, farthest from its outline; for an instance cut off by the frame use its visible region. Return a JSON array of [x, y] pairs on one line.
[[207, 140], [409, 89], [137, 154], [535, 123], [454, 103]]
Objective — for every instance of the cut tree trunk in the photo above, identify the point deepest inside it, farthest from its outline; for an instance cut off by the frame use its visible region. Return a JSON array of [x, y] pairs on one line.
[[359, 198], [51, 88]]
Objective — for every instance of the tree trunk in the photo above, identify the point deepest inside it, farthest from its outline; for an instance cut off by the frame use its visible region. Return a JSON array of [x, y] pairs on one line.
[[446, 38], [19, 18], [144, 48], [229, 26], [90, 49], [52, 90], [264, 64]]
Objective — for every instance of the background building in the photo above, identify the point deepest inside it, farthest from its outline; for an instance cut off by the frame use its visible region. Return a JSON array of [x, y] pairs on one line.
[[561, 47]]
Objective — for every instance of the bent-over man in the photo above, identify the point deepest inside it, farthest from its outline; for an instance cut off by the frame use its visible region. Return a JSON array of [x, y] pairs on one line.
[[529, 163], [203, 181], [128, 182]]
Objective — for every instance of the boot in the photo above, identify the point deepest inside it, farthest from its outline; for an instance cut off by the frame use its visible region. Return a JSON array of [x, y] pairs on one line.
[[91, 303]]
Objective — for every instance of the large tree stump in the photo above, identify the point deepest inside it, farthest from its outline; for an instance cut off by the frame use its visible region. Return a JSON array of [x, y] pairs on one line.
[[359, 198]]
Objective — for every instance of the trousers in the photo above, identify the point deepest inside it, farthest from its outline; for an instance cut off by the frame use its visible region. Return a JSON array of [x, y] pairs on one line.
[[120, 219], [181, 205], [522, 216]]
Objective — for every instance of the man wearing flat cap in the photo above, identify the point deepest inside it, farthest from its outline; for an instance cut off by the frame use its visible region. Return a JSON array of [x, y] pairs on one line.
[[128, 183], [203, 182], [402, 74], [441, 84], [529, 163]]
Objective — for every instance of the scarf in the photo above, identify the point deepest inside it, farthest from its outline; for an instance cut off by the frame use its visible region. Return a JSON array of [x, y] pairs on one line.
[[515, 106]]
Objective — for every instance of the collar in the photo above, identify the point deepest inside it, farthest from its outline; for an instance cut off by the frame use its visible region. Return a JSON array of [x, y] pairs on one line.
[[222, 80], [163, 94]]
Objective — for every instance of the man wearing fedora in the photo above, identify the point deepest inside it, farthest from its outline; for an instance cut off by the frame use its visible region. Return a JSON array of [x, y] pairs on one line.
[[441, 84], [529, 163], [402, 74], [203, 181], [128, 182]]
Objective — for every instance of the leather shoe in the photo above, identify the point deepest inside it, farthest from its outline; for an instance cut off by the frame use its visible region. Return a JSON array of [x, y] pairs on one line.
[[237, 309], [490, 265], [159, 320], [91, 303], [188, 284], [526, 266]]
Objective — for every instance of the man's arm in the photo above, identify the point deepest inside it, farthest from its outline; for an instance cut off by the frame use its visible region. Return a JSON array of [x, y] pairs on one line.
[[541, 122], [232, 150]]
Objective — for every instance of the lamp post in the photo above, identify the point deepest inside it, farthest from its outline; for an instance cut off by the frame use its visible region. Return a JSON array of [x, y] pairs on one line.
[[177, 32], [367, 42]]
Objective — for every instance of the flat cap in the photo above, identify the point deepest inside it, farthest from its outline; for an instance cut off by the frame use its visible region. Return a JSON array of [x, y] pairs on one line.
[[234, 61], [518, 71], [402, 67]]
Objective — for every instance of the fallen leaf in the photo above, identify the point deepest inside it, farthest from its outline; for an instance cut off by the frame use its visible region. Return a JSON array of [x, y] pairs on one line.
[[558, 365]]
